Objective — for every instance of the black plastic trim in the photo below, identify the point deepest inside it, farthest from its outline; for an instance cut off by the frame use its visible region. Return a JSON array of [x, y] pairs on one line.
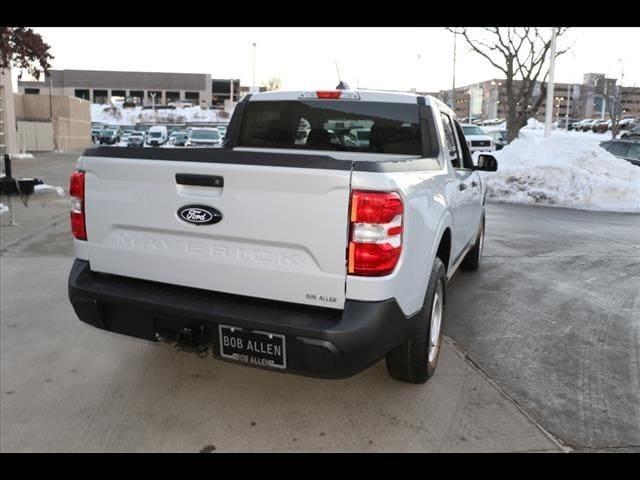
[[399, 165], [233, 132], [223, 156], [430, 143], [321, 342]]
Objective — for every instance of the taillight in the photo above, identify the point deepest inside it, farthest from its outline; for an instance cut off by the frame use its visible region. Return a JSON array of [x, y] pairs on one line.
[[76, 192], [375, 241]]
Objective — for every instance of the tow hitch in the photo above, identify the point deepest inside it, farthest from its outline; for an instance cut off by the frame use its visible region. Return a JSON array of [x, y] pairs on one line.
[[192, 339]]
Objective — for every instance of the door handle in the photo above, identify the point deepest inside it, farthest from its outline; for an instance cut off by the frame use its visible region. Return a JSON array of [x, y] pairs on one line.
[[462, 186], [199, 180]]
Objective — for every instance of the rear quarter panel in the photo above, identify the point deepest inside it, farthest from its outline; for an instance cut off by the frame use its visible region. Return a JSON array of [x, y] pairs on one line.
[[426, 216]]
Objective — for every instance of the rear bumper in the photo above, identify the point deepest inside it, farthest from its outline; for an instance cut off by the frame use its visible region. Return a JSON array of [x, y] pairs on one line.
[[320, 342]]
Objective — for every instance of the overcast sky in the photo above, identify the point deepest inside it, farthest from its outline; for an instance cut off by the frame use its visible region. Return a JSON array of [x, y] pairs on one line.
[[304, 58]]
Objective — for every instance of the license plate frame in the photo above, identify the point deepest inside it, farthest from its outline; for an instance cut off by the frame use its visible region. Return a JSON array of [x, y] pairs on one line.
[[251, 351]]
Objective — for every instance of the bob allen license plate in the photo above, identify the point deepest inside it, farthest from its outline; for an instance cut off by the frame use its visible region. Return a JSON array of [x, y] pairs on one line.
[[257, 348]]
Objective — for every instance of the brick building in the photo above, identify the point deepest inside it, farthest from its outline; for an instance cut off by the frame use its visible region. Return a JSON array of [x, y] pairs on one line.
[[579, 100]]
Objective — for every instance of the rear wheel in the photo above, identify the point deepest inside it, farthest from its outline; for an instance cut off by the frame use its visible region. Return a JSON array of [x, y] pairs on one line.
[[471, 261], [415, 361]]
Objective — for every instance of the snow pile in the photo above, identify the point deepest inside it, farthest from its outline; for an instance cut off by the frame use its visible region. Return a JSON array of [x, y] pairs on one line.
[[115, 115], [48, 188], [564, 172]]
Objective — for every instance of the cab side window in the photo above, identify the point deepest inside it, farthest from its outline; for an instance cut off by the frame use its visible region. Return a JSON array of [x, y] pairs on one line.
[[451, 151]]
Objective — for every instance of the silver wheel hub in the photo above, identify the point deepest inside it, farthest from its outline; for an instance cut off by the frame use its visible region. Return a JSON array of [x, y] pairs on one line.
[[436, 324]]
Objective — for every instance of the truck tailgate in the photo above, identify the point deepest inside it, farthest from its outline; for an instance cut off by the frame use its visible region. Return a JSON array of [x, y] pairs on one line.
[[283, 233]]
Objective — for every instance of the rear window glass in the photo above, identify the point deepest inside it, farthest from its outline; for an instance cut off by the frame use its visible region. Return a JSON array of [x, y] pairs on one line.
[[341, 125]]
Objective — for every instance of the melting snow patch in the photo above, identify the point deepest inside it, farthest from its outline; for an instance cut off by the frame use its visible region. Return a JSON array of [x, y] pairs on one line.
[[564, 172], [48, 188]]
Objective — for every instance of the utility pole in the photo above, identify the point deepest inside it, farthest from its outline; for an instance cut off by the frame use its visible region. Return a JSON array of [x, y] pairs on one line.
[[549, 105], [254, 64], [453, 89], [604, 98], [566, 117], [50, 100]]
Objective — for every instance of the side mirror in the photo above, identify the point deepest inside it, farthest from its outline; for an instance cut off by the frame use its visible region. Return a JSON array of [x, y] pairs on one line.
[[486, 163]]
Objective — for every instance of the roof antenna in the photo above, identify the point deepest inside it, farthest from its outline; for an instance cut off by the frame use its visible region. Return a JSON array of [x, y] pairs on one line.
[[342, 85]]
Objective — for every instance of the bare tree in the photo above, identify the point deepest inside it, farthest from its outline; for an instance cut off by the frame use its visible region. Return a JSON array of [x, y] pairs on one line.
[[614, 108], [22, 48], [614, 105], [521, 55]]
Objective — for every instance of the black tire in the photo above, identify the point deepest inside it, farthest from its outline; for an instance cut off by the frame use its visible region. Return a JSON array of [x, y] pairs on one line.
[[410, 362], [471, 261]]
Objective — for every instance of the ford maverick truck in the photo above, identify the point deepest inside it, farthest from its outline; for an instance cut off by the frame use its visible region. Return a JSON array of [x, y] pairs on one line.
[[310, 254]]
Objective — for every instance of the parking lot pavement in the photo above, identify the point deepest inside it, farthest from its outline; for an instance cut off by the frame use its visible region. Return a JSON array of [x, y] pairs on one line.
[[65, 386], [553, 317], [44, 209]]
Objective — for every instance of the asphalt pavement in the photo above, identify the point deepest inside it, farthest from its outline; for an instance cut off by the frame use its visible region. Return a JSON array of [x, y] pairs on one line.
[[542, 354]]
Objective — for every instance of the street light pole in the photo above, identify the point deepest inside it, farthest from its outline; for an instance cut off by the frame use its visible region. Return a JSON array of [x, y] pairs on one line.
[[453, 89], [254, 64], [566, 117], [549, 107]]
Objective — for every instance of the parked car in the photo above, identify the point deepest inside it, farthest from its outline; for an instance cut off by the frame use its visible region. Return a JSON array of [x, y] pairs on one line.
[[499, 138], [628, 150], [263, 273], [95, 134], [601, 126], [157, 135], [136, 139], [578, 126], [222, 129], [360, 137], [631, 134], [562, 123], [477, 139], [110, 136], [179, 138], [588, 126], [204, 137], [125, 136], [628, 123]]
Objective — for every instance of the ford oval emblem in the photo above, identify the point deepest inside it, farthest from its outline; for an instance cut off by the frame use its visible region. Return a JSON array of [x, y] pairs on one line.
[[199, 214]]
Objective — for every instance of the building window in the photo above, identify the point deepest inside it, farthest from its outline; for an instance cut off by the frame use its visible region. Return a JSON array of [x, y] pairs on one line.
[[119, 93], [192, 97], [172, 97], [100, 96], [32, 91], [136, 96], [80, 93]]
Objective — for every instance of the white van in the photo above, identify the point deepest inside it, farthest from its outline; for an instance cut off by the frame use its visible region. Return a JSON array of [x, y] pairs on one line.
[[157, 135]]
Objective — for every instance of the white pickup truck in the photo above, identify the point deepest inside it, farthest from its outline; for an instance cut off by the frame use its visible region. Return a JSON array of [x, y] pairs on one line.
[[316, 257]]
